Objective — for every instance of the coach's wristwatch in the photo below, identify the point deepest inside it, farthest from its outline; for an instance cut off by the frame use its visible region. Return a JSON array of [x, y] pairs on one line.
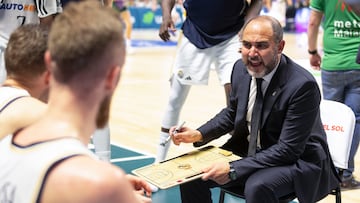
[[232, 173]]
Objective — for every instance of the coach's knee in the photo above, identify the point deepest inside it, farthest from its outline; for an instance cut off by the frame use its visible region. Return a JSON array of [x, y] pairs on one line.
[[257, 191]]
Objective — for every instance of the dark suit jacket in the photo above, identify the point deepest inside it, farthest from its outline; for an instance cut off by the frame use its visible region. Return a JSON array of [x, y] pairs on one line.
[[291, 130]]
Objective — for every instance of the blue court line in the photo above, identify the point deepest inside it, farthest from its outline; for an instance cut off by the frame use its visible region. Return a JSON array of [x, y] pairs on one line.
[[140, 43]]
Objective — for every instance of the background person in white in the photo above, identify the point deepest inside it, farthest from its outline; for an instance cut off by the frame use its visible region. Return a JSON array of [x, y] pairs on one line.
[[209, 38], [54, 150], [14, 13]]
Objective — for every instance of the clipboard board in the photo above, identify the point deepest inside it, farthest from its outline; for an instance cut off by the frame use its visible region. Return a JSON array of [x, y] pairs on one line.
[[183, 168]]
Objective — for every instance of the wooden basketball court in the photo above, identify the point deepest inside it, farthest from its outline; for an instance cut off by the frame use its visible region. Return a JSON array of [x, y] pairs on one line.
[[141, 97]]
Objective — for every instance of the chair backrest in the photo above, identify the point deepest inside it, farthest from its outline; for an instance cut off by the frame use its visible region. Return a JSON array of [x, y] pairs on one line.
[[339, 123]]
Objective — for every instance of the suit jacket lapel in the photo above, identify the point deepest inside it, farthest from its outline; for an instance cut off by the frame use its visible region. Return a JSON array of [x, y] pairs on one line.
[[243, 93], [274, 89]]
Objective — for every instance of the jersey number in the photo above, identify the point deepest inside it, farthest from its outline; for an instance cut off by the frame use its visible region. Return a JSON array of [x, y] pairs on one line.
[[21, 19]]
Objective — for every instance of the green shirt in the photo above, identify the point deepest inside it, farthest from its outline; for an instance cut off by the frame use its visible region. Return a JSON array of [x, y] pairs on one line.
[[341, 35]]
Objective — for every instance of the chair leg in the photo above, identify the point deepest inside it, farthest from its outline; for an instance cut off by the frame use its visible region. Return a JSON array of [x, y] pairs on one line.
[[338, 195], [222, 196]]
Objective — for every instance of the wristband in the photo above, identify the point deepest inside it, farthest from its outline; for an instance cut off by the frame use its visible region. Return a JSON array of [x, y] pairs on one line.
[[313, 52]]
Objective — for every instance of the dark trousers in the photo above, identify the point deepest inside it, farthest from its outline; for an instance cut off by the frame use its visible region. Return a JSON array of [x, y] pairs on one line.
[[264, 186]]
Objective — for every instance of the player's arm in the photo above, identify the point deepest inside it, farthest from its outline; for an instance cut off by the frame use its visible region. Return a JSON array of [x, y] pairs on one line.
[[139, 184], [47, 10], [254, 9], [167, 23], [47, 20], [167, 6], [19, 114], [81, 179]]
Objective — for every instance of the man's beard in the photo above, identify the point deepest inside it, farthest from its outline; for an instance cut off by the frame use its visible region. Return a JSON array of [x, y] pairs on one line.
[[266, 70], [102, 117]]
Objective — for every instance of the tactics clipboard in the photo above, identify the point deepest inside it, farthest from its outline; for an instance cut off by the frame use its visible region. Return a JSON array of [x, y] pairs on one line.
[[183, 168]]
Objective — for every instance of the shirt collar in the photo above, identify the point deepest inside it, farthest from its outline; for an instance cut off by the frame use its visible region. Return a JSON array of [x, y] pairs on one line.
[[267, 78]]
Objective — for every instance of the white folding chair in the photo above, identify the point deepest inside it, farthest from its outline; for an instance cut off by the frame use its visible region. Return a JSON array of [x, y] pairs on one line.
[[339, 123]]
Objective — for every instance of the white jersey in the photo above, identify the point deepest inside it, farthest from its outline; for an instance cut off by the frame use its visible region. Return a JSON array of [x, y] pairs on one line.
[[24, 168], [14, 13], [9, 94]]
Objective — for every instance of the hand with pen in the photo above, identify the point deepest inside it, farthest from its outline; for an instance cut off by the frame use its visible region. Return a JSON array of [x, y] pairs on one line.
[[218, 171], [184, 134]]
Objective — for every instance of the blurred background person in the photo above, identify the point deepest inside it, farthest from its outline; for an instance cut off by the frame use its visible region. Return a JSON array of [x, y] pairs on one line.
[[209, 37], [15, 13], [340, 74], [122, 7], [84, 74]]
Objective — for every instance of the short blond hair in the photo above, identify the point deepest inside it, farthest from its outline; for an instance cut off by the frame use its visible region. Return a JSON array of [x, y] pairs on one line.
[[24, 54], [82, 37]]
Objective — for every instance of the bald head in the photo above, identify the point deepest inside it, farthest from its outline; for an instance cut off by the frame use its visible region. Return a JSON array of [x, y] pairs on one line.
[[262, 45], [266, 23]]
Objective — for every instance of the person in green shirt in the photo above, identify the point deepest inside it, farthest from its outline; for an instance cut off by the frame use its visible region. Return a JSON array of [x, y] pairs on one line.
[[340, 74], [355, 6]]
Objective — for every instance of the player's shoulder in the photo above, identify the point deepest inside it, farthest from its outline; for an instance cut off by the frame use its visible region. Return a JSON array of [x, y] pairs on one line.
[[23, 110], [84, 169], [28, 101], [83, 179], [20, 113]]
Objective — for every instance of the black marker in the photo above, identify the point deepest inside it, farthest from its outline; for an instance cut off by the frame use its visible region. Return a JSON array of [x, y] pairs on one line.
[[175, 131]]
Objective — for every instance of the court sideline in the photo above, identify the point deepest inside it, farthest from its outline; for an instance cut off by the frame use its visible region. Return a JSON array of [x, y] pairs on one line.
[[140, 99]]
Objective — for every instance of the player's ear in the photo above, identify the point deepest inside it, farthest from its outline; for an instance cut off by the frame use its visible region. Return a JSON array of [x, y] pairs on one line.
[[281, 46], [113, 77], [48, 61]]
